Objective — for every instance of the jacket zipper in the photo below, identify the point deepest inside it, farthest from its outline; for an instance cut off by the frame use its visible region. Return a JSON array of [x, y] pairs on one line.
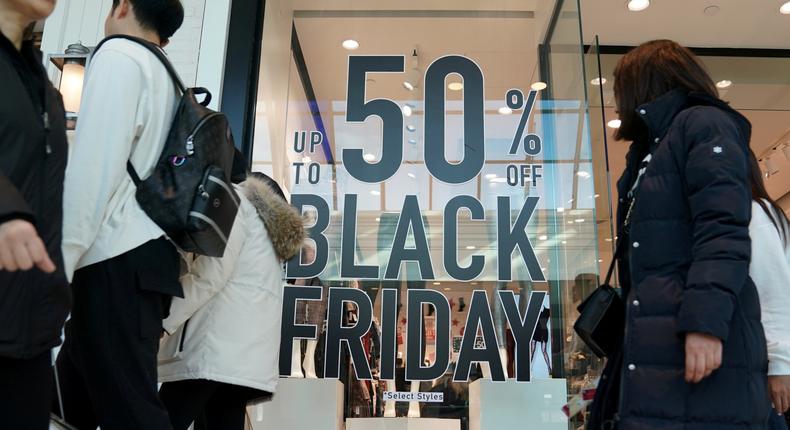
[[190, 145]]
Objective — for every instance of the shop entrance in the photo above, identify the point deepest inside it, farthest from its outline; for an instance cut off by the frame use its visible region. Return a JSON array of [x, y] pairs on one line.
[[441, 151]]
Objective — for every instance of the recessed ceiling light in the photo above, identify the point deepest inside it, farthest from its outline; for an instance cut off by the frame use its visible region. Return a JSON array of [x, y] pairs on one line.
[[600, 260], [446, 289], [437, 283], [724, 83], [375, 192], [539, 86], [785, 9], [407, 110], [597, 195], [543, 237], [350, 44], [598, 81], [615, 123], [638, 5], [579, 220], [411, 128], [408, 85], [378, 219], [413, 141], [564, 242], [583, 174], [471, 247], [411, 175], [369, 157], [455, 86], [504, 110], [560, 209], [608, 239], [490, 175]]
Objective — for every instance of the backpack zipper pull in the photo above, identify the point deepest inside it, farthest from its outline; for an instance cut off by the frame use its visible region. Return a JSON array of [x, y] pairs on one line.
[[190, 145]]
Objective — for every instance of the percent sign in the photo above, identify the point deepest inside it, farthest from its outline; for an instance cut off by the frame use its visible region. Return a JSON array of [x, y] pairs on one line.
[[532, 143]]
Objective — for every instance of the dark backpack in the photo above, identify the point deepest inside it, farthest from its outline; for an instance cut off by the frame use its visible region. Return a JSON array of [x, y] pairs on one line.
[[189, 194]]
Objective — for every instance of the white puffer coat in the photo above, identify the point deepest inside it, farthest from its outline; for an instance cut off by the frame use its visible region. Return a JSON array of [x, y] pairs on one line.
[[227, 328]]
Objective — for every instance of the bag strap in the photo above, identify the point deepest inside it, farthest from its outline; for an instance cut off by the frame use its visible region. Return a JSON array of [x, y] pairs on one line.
[[170, 70], [154, 50], [618, 252]]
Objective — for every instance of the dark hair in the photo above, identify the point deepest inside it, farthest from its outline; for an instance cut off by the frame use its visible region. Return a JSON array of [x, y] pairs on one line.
[[162, 16], [649, 71], [760, 195]]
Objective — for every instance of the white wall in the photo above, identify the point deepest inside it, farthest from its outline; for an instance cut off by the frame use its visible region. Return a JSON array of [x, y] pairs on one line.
[[197, 49], [270, 142]]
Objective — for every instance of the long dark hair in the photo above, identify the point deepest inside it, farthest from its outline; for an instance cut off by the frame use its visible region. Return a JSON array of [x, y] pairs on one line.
[[760, 195], [649, 71]]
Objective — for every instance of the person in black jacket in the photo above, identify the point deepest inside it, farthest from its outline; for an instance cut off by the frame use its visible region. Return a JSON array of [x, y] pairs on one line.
[[694, 354], [34, 295]]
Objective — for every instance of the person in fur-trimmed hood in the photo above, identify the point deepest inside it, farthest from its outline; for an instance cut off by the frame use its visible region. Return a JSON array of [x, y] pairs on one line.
[[220, 350]]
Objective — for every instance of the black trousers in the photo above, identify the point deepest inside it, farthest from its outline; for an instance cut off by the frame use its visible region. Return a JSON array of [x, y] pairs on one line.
[[210, 405], [108, 364], [25, 392]]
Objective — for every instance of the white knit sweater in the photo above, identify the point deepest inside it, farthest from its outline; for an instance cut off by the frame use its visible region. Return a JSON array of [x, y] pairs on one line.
[[770, 270]]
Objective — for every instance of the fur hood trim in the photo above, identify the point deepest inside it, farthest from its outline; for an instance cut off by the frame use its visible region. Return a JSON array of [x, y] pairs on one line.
[[285, 226]]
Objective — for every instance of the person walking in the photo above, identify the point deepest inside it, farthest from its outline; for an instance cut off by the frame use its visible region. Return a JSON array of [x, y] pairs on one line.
[[124, 271], [769, 230], [222, 347], [694, 352], [34, 294]]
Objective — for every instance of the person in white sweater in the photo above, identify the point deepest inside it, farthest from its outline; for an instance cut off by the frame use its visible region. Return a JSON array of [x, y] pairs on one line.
[[223, 340], [769, 230]]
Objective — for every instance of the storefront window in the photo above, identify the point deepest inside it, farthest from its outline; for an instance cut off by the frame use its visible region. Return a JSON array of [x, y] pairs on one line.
[[444, 149]]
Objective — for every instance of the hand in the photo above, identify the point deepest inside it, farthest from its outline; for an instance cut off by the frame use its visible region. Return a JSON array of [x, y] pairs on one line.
[[21, 248], [703, 356], [779, 387]]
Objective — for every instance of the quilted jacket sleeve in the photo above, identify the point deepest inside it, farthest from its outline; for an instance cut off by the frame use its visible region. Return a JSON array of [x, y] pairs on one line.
[[719, 198]]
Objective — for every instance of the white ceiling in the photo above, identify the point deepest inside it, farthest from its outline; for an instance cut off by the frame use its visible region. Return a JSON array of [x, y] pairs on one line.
[[738, 23]]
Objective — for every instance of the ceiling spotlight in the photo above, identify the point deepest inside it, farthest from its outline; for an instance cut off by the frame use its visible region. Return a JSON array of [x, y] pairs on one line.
[[564, 242], [411, 128], [785, 9], [490, 175], [598, 81], [723, 84], [471, 247], [437, 283], [455, 86], [579, 220], [408, 85], [543, 237], [615, 123], [560, 209], [369, 157], [583, 174], [539, 86], [407, 111], [638, 5], [375, 192], [350, 44], [411, 175], [413, 141], [504, 110], [378, 219]]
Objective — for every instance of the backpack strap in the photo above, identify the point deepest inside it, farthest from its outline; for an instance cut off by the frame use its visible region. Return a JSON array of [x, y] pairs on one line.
[[170, 70], [154, 50]]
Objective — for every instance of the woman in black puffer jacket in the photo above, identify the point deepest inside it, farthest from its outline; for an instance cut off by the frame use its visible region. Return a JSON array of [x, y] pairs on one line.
[[694, 355]]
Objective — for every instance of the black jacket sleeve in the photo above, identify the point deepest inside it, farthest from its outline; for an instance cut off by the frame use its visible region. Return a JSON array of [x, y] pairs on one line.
[[12, 205], [719, 198]]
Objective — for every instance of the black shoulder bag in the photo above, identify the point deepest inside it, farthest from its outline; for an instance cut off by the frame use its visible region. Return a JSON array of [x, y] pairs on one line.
[[601, 322]]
